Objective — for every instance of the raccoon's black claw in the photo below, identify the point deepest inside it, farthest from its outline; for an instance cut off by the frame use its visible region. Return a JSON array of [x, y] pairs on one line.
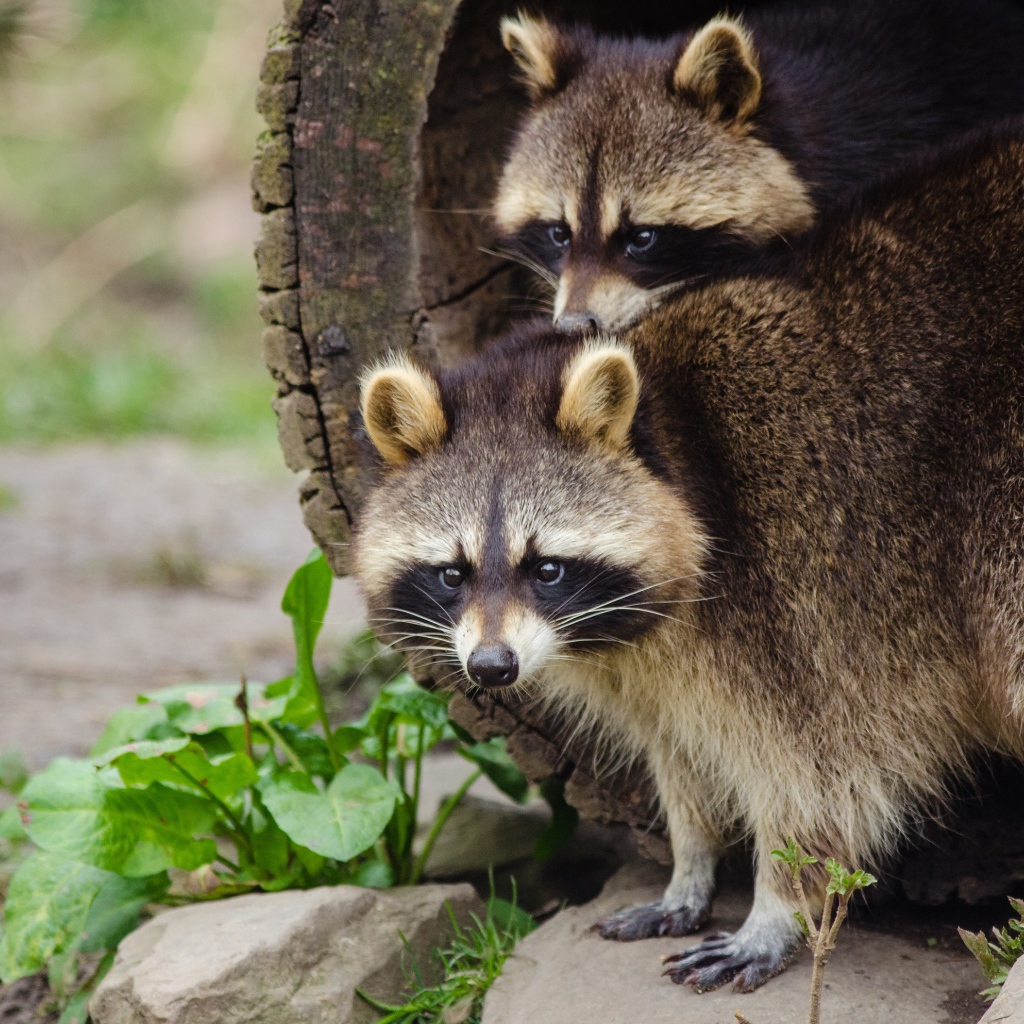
[[721, 959], [650, 921]]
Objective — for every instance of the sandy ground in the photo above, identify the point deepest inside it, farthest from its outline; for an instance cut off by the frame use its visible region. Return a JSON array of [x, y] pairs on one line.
[[125, 568]]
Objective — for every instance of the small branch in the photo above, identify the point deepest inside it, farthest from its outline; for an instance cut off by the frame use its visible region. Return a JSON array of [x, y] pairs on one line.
[[242, 703], [805, 909]]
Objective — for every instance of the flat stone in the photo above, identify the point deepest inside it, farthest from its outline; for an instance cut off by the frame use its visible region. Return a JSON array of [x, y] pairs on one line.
[[280, 958], [564, 973], [1008, 1007]]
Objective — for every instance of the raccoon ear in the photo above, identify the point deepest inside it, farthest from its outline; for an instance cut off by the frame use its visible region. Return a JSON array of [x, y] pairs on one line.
[[718, 71], [600, 395], [401, 407], [541, 51]]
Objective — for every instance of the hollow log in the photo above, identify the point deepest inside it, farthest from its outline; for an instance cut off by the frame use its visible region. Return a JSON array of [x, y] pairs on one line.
[[386, 125]]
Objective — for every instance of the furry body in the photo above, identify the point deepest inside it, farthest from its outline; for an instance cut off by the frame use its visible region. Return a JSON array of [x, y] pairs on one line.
[[728, 140], [790, 535]]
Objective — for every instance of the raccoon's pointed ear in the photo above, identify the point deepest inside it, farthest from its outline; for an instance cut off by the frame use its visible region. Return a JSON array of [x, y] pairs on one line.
[[401, 407], [542, 51], [599, 395], [718, 71]]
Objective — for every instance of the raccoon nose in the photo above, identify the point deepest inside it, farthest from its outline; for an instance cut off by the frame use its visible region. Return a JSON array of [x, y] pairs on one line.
[[582, 323], [493, 665]]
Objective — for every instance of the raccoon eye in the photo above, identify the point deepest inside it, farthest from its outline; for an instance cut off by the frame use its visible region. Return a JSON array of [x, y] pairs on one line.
[[451, 577], [549, 573], [560, 235], [641, 241]]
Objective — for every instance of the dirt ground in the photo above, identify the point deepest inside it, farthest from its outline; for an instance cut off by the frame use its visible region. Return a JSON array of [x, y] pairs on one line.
[[125, 568]]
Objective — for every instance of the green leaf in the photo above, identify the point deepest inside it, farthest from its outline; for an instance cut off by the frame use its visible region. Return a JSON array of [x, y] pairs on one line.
[[341, 821], [142, 749], [412, 703], [310, 748], [115, 911], [13, 773], [372, 874], [305, 601], [269, 843], [564, 819], [142, 721], [70, 809], [509, 918], [77, 1009], [185, 767], [11, 827], [47, 905], [495, 763], [200, 708], [347, 738]]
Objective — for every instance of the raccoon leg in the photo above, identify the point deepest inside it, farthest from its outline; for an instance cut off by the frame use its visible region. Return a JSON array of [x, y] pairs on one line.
[[686, 904], [761, 948]]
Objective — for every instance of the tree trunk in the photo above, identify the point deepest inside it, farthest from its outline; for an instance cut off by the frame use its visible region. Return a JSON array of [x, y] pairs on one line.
[[387, 121]]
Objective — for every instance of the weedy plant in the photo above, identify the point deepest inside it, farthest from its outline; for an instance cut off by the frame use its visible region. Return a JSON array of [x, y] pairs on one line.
[[998, 956], [200, 792], [468, 968], [821, 936]]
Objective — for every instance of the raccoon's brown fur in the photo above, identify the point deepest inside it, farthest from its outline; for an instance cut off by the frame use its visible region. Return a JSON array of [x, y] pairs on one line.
[[645, 166], [771, 539]]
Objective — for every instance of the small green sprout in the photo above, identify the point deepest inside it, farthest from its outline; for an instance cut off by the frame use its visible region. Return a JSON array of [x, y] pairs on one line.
[[996, 958]]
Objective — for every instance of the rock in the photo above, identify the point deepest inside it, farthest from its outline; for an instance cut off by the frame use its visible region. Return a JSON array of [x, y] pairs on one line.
[[279, 958], [1009, 1005], [563, 973]]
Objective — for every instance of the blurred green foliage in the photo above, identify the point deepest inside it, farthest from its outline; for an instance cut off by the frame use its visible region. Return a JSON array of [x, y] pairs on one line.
[[114, 322]]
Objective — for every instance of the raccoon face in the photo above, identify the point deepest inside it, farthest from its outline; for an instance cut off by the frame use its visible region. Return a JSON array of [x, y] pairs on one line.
[[513, 532], [636, 171]]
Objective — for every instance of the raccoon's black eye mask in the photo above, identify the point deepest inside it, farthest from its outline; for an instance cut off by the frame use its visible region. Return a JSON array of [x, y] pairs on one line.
[[588, 601], [648, 254], [656, 254]]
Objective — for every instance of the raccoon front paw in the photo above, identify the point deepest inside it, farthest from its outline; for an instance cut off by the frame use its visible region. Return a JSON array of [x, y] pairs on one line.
[[650, 921], [720, 959]]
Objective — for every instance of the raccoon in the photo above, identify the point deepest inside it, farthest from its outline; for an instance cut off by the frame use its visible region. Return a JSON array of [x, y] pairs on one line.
[[770, 540], [645, 166]]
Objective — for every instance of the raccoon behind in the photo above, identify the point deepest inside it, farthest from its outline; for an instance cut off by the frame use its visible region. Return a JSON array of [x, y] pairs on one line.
[[643, 166], [771, 540]]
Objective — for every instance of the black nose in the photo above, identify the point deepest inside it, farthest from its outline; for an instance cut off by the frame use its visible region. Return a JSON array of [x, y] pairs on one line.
[[493, 665], [582, 323]]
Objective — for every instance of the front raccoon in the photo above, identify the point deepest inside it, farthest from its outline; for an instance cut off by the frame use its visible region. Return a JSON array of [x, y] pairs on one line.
[[771, 540], [646, 166]]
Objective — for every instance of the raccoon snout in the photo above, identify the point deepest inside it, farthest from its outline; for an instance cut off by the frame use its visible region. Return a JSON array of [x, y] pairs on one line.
[[493, 665], [578, 323]]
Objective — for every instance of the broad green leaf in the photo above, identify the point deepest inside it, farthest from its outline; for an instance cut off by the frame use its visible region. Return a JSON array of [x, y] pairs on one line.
[[564, 819], [13, 773], [201, 708], [142, 749], [69, 809], [47, 905], [341, 821], [492, 758], [186, 767], [115, 910], [305, 601], [142, 721]]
